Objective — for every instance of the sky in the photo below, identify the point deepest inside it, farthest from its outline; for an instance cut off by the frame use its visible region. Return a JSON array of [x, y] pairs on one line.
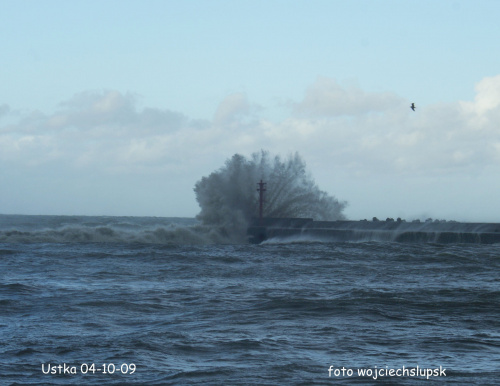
[[120, 107]]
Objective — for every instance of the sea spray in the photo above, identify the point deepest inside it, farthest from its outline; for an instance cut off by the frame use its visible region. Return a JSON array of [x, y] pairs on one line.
[[228, 196]]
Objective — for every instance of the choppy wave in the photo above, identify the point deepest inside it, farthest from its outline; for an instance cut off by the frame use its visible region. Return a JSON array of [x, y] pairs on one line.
[[247, 314], [104, 234], [82, 229]]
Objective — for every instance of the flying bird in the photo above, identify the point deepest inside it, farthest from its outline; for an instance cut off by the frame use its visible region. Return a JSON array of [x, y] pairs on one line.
[[413, 106]]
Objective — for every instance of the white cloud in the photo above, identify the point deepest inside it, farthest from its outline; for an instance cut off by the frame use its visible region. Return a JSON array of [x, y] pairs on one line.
[[94, 129], [487, 96], [378, 133], [483, 113], [107, 129]]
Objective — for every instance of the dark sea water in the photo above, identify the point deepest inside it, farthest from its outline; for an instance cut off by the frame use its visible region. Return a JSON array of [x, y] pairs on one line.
[[148, 301]]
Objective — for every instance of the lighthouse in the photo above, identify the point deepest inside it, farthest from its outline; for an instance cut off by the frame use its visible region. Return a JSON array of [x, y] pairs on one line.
[[261, 189]]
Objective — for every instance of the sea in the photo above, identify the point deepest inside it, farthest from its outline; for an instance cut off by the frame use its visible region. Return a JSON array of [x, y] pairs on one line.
[[155, 301]]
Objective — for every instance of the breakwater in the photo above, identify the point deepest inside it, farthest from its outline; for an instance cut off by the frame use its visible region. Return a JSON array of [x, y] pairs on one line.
[[443, 232]]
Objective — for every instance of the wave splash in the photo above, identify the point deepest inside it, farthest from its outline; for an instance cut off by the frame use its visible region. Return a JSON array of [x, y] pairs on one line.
[[228, 198]]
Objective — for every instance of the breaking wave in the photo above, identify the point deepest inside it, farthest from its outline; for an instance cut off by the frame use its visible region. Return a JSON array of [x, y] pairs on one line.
[[82, 229], [75, 234], [228, 197]]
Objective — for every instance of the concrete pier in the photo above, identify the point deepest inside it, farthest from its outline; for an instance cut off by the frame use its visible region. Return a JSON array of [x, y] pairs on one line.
[[389, 230]]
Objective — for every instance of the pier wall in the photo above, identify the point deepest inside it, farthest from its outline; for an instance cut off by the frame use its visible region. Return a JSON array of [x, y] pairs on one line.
[[394, 231]]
